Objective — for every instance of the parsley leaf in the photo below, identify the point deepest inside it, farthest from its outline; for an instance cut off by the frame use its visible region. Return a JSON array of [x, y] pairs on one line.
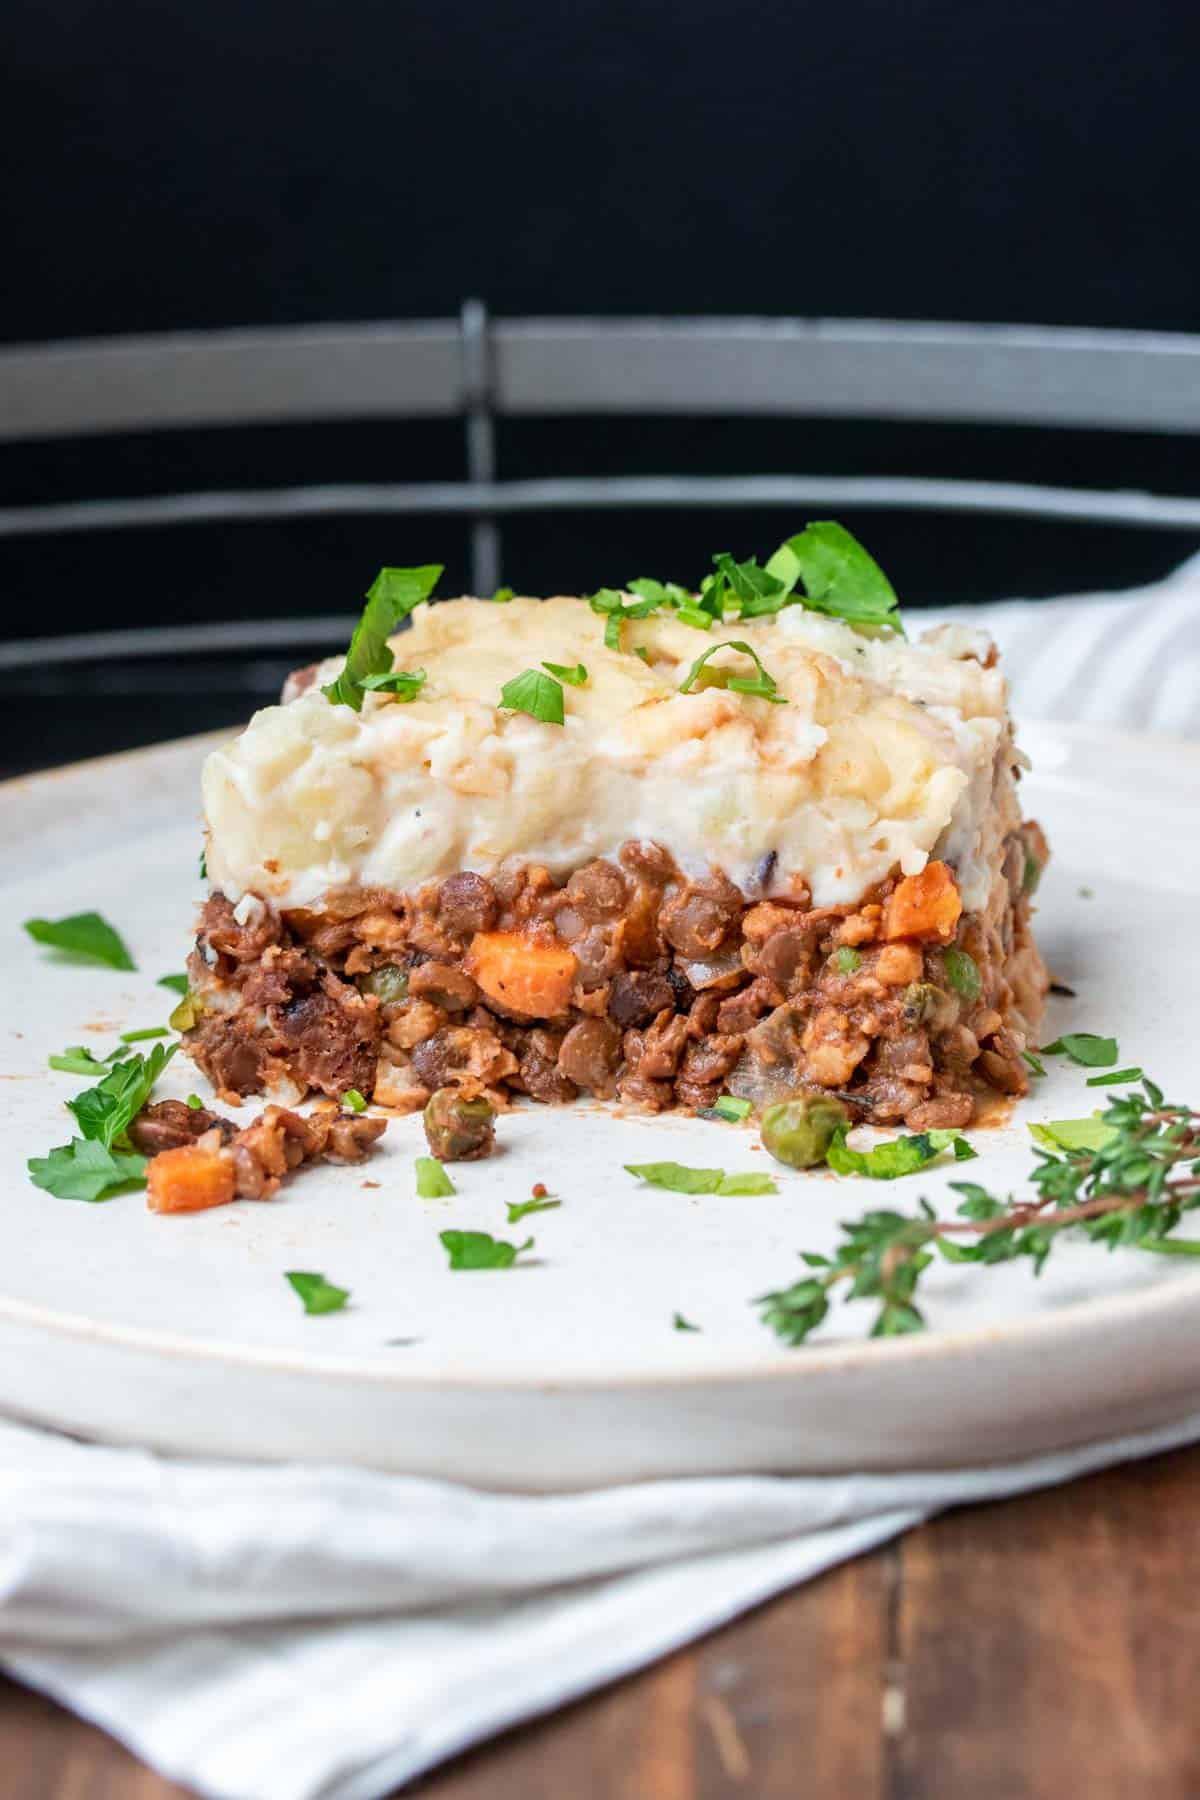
[[682, 1324], [86, 1171], [392, 595], [962, 972], [77, 1059], [1117, 1078], [1033, 1063], [84, 935], [536, 694], [195, 1102], [318, 1295], [433, 1183], [178, 984], [1084, 1048], [573, 677], [520, 1209], [763, 687], [677, 1178], [148, 1031], [501, 597], [840, 579], [479, 1250], [899, 1156], [846, 960], [104, 1112], [403, 684], [1073, 1134]]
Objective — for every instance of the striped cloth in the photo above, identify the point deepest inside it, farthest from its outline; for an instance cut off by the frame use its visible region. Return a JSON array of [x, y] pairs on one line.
[[1131, 659]]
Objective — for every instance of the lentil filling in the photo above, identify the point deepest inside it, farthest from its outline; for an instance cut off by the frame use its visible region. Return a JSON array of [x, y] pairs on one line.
[[629, 981]]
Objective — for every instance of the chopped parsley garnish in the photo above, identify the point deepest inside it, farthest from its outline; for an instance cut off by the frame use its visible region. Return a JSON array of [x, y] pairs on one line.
[[1084, 1048], [77, 1059], [84, 1170], [728, 1107], [433, 1183], [178, 984], [318, 1295], [104, 1112], [148, 1031], [840, 579], [677, 1178], [479, 1250], [1072, 1134], [392, 595], [536, 694], [846, 960], [501, 597], [354, 1100], [682, 1324], [195, 1102], [1033, 1063], [84, 935], [899, 1156], [573, 677], [403, 684], [962, 972], [520, 1209], [1117, 1078], [762, 687]]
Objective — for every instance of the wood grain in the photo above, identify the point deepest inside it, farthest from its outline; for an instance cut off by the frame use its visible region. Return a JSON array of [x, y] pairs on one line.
[[1037, 1648]]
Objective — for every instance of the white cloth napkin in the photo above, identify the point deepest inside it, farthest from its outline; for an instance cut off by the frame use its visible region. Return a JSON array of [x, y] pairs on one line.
[[325, 1634], [310, 1633]]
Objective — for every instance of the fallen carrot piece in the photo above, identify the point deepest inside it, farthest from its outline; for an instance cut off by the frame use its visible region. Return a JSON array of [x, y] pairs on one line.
[[189, 1180], [926, 906], [520, 975]]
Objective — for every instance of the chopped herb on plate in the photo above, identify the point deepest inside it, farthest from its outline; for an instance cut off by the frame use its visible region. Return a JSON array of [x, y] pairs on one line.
[[899, 1156], [962, 972], [433, 1183], [104, 1112], [84, 935], [85, 1170], [178, 984], [479, 1250], [317, 1294], [354, 1101], [149, 1031], [77, 1059], [682, 1324], [677, 1178], [1084, 1048], [521, 1209]]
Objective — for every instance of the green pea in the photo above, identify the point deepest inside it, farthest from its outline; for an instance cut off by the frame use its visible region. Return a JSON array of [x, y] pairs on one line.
[[799, 1131]]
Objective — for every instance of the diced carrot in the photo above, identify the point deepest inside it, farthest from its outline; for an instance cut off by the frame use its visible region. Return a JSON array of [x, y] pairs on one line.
[[926, 906], [189, 1180], [520, 975]]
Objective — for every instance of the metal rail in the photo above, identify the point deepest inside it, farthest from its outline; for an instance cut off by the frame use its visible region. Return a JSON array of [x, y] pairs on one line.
[[479, 369]]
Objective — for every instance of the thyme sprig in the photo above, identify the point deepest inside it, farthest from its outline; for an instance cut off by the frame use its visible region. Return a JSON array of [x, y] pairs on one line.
[[1129, 1191]]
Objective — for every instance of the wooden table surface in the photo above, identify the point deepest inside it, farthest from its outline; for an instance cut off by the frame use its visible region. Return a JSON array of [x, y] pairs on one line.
[[1048, 1646]]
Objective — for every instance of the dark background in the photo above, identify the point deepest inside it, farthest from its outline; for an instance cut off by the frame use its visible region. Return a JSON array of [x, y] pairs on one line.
[[171, 166]]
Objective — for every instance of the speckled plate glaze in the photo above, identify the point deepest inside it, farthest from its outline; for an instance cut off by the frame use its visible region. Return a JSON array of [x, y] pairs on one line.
[[566, 1371]]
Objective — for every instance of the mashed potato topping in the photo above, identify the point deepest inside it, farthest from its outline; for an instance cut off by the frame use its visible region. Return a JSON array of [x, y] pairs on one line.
[[885, 754]]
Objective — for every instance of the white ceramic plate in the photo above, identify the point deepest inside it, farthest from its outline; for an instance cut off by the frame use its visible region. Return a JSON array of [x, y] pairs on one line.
[[182, 1333]]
